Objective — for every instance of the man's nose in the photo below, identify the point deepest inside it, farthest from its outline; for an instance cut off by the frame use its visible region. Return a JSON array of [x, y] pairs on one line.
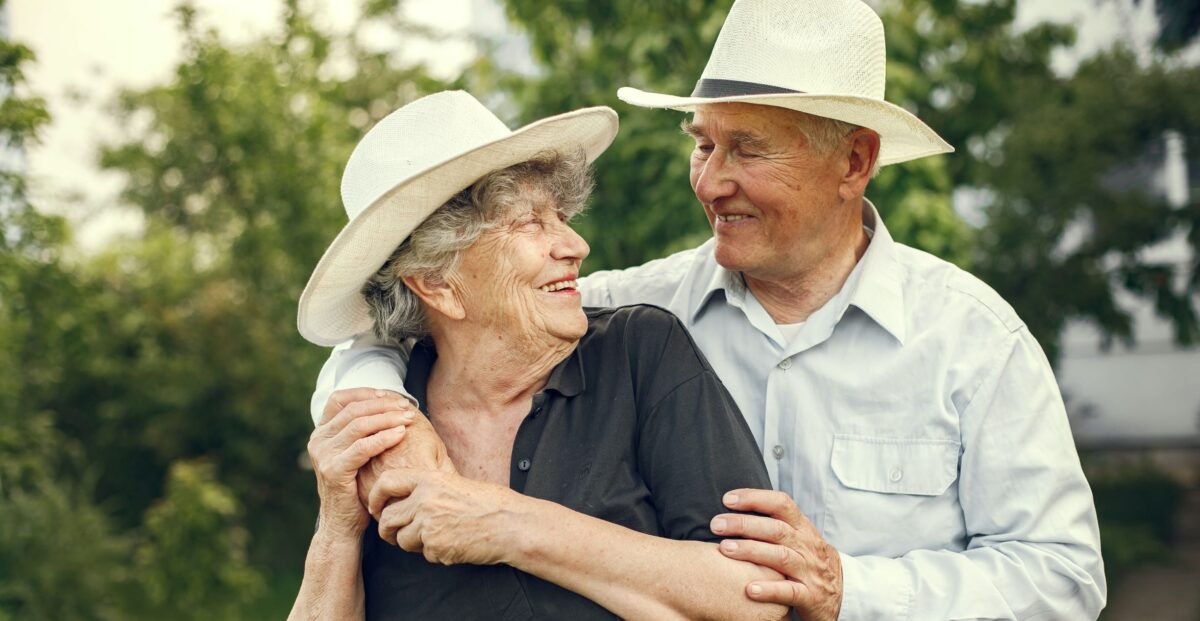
[[712, 179]]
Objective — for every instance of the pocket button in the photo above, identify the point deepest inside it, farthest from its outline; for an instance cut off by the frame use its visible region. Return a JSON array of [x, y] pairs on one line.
[[895, 475]]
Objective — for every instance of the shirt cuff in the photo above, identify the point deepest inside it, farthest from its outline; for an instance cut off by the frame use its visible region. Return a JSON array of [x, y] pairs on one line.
[[874, 588], [379, 374]]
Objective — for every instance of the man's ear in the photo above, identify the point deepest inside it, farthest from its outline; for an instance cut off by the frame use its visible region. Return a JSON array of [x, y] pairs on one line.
[[860, 163], [438, 294]]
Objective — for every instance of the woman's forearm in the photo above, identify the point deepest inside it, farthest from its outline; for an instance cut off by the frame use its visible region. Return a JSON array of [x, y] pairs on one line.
[[635, 575], [332, 587]]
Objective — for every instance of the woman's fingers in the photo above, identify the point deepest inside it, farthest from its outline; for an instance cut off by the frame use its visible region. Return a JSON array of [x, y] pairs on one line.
[[363, 449], [393, 522], [362, 409], [365, 426], [398, 483], [342, 398]]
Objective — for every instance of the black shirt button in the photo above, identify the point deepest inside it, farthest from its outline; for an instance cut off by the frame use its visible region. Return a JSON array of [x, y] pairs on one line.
[[524, 465]]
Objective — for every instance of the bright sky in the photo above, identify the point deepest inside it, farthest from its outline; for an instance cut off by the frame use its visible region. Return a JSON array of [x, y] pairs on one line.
[[92, 48], [87, 50]]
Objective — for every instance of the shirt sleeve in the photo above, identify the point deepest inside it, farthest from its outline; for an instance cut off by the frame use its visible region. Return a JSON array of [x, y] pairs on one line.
[[1034, 543], [654, 282], [358, 363], [693, 444]]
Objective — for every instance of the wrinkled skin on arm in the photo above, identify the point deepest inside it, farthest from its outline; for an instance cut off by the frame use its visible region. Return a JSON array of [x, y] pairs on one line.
[[421, 448]]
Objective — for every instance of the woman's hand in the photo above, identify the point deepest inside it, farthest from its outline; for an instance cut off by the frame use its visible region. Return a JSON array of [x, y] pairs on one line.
[[449, 518], [339, 446]]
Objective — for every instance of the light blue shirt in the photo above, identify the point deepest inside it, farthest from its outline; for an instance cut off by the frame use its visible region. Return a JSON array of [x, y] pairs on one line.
[[912, 418]]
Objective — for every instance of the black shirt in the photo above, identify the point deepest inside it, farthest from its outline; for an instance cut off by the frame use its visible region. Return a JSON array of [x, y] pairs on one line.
[[633, 427]]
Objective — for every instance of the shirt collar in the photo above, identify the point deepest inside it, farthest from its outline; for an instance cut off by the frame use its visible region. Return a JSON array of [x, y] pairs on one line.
[[567, 378], [874, 286], [879, 291]]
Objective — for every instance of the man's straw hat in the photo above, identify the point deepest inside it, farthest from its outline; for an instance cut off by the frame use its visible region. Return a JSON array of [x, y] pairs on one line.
[[823, 57]]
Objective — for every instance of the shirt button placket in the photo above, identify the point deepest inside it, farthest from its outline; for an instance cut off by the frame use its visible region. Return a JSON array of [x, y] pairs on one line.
[[773, 450]]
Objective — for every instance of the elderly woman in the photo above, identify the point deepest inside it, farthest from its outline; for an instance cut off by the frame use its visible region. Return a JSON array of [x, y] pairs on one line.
[[590, 448]]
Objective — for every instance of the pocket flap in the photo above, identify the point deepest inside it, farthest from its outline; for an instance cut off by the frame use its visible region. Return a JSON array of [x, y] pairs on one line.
[[919, 466]]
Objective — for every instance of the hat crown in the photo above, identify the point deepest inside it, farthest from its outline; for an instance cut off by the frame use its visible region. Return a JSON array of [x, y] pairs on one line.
[[426, 132], [828, 47]]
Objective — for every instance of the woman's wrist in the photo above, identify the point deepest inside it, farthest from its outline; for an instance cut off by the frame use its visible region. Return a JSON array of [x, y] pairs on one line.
[[332, 531]]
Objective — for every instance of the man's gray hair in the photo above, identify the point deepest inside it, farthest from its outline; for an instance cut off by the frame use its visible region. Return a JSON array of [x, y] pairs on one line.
[[434, 249], [824, 134]]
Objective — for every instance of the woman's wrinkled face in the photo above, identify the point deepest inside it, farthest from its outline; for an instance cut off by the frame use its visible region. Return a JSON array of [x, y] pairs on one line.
[[521, 278]]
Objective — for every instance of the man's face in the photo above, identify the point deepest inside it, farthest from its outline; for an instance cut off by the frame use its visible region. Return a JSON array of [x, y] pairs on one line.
[[767, 195]]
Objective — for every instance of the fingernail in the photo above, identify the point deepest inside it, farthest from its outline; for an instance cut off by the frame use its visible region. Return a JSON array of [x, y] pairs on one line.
[[731, 499], [755, 589], [718, 525], [729, 545], [381, 393]]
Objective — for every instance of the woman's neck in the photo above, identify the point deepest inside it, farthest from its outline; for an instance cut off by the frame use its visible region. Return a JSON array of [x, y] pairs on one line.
[[483, 370]]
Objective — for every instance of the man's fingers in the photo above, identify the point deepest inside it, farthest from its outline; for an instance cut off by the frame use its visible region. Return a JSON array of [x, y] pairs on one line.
[[767, 502], [782, 559], [757, 527], [398, 483], [786, 592]]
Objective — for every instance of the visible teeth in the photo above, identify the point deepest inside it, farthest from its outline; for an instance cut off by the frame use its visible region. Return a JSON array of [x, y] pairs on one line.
[[559, 286], [731, 218]]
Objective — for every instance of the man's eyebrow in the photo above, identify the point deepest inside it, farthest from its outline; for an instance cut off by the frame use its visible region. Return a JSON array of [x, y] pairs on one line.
[[740, 138], [747, 139]]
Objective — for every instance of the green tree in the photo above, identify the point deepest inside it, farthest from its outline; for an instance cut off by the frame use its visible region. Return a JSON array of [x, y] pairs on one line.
[[235, 162], [59, 554], [192, 561]]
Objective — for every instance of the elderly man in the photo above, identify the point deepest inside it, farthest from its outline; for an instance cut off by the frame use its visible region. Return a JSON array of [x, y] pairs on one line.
[[909, 421]]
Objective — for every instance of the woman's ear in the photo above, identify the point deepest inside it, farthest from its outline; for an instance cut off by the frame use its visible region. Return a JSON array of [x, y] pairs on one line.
[[438, 294]]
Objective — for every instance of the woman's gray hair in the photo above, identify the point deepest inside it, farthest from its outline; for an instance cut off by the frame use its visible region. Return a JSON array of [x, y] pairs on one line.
[[433, 250]]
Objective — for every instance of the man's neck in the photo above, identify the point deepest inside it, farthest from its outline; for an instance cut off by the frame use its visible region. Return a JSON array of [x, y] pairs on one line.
[[794, 296]]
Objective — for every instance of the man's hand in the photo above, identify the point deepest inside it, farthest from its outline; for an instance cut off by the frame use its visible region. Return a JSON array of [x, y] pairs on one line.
[[421, 448], [783, 539], [449, 518]]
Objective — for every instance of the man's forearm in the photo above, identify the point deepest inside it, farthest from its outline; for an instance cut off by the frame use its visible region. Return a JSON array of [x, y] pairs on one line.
[[632, 574], [332, 587]]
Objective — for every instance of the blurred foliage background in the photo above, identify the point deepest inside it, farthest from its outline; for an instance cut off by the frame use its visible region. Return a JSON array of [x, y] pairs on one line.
[[154, 396]]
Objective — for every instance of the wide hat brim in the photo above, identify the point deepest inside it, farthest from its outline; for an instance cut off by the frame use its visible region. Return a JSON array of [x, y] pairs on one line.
[[903, 136], [332, 308]]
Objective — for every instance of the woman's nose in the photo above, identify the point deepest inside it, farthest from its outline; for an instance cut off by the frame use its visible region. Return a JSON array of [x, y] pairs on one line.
[[568, 244]]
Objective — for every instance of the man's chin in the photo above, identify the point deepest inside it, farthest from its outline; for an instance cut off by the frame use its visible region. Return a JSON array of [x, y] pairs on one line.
[[729, 257]]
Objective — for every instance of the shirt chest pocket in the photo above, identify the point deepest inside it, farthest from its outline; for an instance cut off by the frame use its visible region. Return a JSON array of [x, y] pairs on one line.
[[915, 466], [892, 495]]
